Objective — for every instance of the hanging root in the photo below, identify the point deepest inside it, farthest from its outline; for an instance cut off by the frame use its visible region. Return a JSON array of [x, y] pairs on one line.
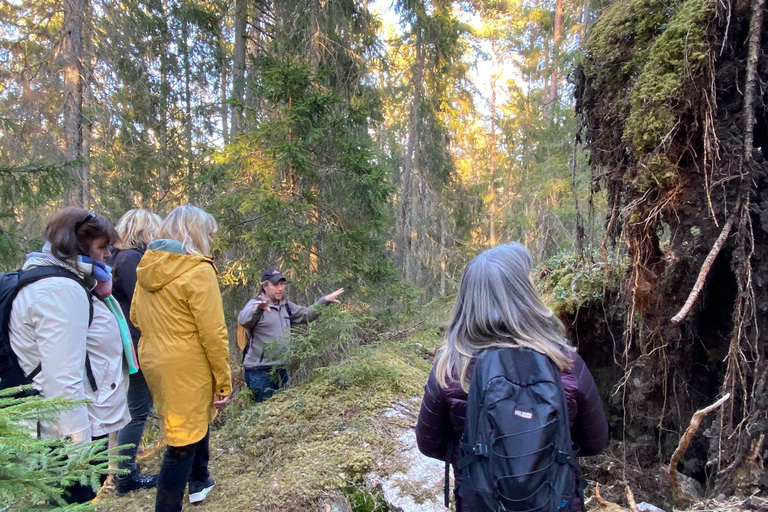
[[674, 484]]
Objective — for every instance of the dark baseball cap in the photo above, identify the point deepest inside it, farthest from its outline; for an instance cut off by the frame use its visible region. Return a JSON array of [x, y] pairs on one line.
[[273, 275]]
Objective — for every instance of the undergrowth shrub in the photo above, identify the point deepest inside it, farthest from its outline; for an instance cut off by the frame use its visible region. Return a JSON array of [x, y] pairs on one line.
[[334, 337]]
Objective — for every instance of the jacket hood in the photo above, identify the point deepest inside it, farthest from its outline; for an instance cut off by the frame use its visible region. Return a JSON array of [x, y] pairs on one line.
[[163, 262]]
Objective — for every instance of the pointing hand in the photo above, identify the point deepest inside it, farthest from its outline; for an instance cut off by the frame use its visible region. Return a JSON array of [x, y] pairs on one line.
[[332, 297]]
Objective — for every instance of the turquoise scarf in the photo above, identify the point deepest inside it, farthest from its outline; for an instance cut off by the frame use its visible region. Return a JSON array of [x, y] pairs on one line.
[[125, 335]]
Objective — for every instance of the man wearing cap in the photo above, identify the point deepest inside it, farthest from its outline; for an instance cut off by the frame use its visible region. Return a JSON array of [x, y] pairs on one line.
[[268, 318]]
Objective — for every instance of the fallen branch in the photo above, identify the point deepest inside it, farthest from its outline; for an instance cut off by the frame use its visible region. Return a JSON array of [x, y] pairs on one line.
[[631, 499], [674, 484], [706, 266]]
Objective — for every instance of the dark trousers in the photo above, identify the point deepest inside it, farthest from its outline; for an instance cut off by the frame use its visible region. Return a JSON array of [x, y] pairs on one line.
[[181, 464], [139, 404], [263, 383]]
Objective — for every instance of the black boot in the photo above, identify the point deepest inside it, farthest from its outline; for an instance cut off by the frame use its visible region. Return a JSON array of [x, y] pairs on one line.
[[133, 481]]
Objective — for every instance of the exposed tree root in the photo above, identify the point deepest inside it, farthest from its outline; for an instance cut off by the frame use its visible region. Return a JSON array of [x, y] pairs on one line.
[[677, 492], [705, 268]]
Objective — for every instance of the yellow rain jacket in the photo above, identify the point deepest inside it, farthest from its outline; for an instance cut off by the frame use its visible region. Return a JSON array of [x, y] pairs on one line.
[[183, 350]]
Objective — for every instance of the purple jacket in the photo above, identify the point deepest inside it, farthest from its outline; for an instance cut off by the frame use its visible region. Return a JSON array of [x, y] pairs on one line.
[[443, 412]]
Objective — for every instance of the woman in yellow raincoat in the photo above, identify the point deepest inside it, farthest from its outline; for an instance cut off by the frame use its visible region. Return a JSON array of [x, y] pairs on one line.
[[183, 349]]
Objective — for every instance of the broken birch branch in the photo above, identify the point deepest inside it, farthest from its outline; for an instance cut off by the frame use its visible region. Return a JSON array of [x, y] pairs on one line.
[[706, 266], [674, 484]]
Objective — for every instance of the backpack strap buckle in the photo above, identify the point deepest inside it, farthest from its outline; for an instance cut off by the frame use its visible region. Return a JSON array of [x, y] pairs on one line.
[[563, 457]]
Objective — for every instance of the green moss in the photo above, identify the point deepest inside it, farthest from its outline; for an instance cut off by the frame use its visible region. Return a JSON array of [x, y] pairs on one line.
[[644, 60], [315, 440], [675, 58], [616, 49], [568, 283]]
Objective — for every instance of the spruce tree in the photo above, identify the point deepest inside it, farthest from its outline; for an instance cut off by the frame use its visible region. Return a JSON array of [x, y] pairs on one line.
[[34, 472]]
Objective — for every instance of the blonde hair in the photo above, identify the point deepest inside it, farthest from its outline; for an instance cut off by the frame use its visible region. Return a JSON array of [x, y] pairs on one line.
[[498, 306], [190, 225], [137, 228]]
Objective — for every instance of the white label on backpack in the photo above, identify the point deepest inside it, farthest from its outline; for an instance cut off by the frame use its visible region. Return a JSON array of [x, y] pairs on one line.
[[523, 414]]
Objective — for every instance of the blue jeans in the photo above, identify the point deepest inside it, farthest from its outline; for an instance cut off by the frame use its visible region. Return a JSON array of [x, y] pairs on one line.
[[139, 404], [263, 383], [181, 464]]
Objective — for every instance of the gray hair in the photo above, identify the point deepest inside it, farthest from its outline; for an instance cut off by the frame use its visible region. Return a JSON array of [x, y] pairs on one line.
[[498, 306]]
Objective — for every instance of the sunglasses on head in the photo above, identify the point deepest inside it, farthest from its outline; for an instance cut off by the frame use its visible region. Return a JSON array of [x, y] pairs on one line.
[[90, 216]]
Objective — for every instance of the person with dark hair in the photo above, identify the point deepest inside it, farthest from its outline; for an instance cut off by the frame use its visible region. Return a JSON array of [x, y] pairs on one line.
[[269, 318], [66, 339], [137, 228]]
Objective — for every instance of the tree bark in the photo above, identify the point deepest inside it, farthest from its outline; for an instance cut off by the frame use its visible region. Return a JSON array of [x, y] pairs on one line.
[[72, 109], [404, 245], [188, 110], [492, 156], [238, 66], [87, 119], [755, 25], [555, 62], [442, 254], [223, 97], [165, 92], [314, 35]]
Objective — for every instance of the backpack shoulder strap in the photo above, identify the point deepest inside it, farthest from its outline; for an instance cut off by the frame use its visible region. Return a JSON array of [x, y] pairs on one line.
[[36, 274]]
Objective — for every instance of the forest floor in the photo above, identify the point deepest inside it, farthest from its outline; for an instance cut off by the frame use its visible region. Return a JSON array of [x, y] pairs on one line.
[[315, 445]]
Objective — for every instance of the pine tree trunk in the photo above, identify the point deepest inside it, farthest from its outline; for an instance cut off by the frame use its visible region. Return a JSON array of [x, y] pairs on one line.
[[238, 66], [404, 239], [253, 48], [87, 122], [223, 79], [442, 254], [188, 111], [314, 35], [492, 156], [165, 91], [555, 62], [72, 109]]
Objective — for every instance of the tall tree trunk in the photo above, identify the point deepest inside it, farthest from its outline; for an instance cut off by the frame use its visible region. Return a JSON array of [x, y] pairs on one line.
[[404, 242], [442, 253], [72, 109], [556, 53], [492, 149], [165, 92], [238, 66], [87, 120], [223, 79], [253, 49], [188, 110], [314, 35]]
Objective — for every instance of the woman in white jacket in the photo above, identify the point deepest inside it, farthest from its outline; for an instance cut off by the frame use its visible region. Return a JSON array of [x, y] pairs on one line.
[[60, 329]]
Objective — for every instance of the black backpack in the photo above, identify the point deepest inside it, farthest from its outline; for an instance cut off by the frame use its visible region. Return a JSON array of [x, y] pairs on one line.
[[11, 283], [516, 449]]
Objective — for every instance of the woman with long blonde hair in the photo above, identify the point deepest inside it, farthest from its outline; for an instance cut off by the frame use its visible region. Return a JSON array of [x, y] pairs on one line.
[[137, 228], [498, 307], [184, 352]]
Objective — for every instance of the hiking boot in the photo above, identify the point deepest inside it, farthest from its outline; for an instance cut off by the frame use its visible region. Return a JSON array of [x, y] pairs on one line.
[[199, 490], [133, 481]]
